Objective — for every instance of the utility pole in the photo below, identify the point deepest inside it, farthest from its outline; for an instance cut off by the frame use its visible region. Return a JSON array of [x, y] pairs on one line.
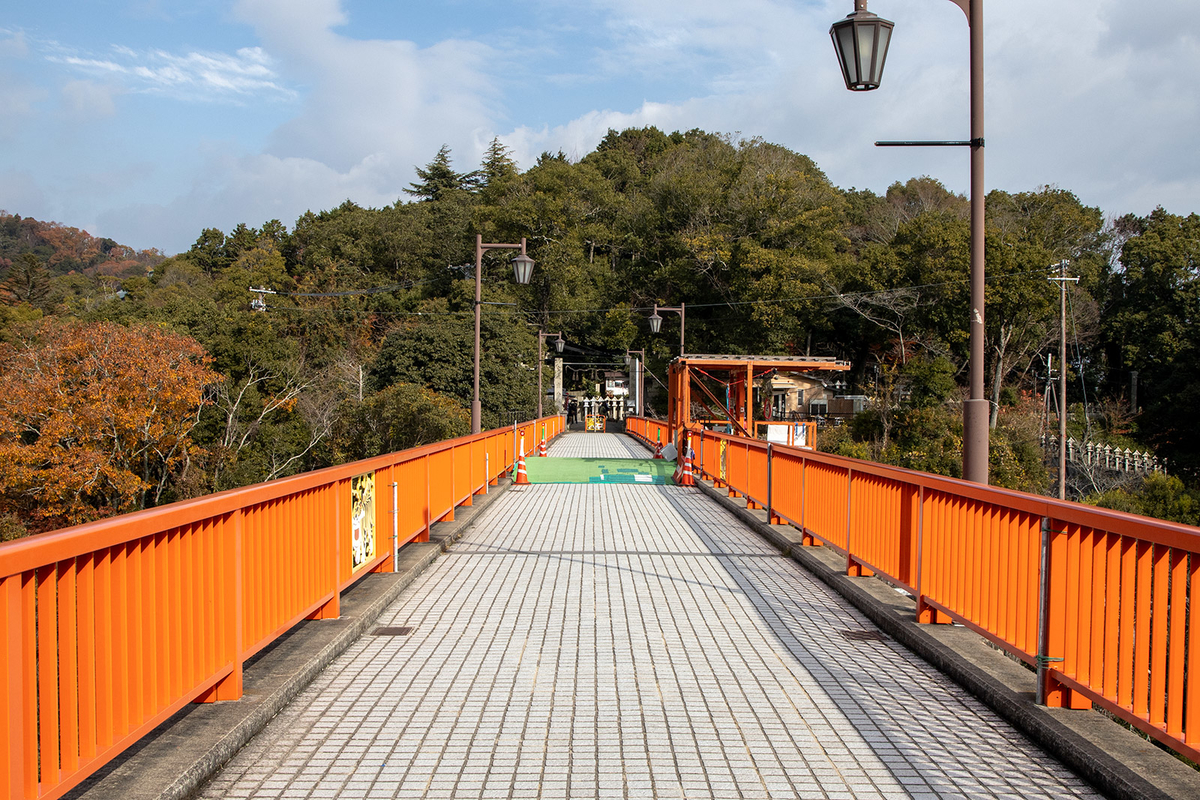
[[259, 303], [1062, 281]]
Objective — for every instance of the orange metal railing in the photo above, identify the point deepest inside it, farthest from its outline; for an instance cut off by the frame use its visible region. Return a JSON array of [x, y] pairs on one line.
[[1096, 600], [652, 431], [112, 627]]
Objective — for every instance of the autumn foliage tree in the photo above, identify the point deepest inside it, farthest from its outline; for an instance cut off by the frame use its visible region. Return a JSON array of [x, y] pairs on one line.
[[95, 419]]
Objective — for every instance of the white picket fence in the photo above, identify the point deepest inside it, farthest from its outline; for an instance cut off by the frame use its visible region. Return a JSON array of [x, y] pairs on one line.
[[1106, 456]]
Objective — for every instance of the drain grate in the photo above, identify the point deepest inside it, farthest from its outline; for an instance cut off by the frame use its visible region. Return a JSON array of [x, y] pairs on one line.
[[863, 636], [402, 631]]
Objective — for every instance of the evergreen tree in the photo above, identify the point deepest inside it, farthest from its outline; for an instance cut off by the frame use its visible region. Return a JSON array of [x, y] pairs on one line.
[[439, 177]]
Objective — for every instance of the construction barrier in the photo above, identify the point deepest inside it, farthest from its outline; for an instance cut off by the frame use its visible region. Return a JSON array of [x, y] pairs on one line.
[[1095, 600], [110, 628]]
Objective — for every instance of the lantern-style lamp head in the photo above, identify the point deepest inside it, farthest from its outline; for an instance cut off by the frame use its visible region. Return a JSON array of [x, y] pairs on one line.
[[628, 360], [655, 321], [861, 41], [559, 344], [522, 268]]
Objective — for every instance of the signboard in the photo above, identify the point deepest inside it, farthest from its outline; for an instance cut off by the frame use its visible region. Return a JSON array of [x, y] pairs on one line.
[[595, 423], [362, 521], [794, 434]]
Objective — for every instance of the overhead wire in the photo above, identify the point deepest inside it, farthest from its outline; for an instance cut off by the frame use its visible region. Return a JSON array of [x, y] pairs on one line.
[[726, 304]]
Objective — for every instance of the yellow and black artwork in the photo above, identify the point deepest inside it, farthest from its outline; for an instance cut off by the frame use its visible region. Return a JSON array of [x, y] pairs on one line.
[[362, 520]]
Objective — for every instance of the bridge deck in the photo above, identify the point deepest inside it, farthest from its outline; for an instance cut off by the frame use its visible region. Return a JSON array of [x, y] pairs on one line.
[[586, 640]]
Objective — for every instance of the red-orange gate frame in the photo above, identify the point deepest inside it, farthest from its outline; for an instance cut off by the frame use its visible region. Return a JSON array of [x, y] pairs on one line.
[[685, 373], [1097, 600], [112, 627]]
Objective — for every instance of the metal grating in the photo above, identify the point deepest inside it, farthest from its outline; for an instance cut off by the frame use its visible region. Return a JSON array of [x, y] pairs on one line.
[[401, 631], [863, 636]]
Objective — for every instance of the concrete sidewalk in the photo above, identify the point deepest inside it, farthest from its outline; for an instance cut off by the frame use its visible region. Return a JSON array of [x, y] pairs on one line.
[[629, 641]]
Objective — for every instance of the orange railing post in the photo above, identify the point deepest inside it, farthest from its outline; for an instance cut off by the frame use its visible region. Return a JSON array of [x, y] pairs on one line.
[[112, 627], [1104, 621]]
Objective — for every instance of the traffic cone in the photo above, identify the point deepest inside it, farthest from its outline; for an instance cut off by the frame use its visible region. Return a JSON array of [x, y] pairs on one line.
[[658, 450], [522, 478], [542, 449], [686, 478]]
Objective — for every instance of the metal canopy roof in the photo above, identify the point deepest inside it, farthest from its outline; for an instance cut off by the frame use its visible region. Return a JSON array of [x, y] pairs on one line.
[[781, 363]]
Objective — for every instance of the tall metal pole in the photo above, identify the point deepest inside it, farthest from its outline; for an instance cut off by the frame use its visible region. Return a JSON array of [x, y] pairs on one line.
[[1062, 280], [541, 338], [680, 310], [480, 248], [975, 410], [476, 406], [1062, 382], [641, 403], [681, 328]]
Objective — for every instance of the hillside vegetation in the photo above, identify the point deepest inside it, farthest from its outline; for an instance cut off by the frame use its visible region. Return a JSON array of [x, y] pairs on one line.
[[365, 343]]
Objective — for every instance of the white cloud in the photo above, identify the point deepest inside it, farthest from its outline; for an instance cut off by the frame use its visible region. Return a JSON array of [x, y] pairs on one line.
[[1096, 112], [1089, 113], [385, 99], [193, 76]]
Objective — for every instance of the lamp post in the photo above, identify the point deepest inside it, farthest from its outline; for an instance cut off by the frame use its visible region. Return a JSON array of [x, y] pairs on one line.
[[1062, 281], [861, 41], [558, 346], [656, 321], [522, 270], [641, 378]]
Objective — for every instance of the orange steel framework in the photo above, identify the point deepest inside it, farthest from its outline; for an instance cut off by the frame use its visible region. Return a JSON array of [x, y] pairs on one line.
[[1095, 600], [110, 628], [685, 374]]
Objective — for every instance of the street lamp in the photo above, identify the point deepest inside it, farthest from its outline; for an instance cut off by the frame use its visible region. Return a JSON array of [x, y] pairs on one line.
[[522, 271], [558, 346], [656, 321], [862, 66], [861, 40]]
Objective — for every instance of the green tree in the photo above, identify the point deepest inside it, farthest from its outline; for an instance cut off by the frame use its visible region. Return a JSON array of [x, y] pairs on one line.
[[1160, 496], [439, 177], [1153, 305], [397, 418]]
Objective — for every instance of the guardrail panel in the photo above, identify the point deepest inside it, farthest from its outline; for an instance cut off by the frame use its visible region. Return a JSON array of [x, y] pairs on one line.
[[826, 502], [787, 490]]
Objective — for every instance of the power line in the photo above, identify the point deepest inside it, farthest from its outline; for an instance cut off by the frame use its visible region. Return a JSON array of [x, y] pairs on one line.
[[727, 304]]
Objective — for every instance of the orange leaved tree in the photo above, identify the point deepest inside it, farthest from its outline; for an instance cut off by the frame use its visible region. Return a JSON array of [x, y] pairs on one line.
[[95, 418]]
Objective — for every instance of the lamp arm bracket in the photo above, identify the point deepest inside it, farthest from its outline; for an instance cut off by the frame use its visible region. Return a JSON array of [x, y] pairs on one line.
[[965, 5], [977, 142]]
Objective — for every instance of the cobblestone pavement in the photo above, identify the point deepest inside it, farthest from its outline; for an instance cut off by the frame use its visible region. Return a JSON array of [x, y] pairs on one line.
[[597, 445], [631, 641]]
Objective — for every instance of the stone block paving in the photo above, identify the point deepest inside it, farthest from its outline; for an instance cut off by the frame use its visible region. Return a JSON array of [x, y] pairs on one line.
[[596, 445], [624, 641]]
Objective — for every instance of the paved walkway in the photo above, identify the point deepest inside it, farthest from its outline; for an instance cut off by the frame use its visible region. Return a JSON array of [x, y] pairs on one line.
[[631, 641], [596, 445]]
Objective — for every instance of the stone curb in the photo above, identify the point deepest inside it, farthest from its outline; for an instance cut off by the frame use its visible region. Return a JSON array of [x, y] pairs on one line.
[[1116, 761], [177, 758]]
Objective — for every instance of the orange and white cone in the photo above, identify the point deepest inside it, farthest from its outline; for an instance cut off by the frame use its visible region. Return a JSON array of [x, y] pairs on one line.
[[686, 478], [658, 450], [522, 478], [542, 449]]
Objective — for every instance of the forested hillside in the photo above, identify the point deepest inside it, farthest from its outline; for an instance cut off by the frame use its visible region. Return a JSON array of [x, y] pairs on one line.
[[365, 345]]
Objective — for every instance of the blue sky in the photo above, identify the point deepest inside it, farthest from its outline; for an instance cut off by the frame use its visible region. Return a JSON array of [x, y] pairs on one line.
[[148, 120]]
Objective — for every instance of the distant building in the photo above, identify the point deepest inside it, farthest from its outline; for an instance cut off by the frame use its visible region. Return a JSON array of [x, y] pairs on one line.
[[616, 384], [801, 396]]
